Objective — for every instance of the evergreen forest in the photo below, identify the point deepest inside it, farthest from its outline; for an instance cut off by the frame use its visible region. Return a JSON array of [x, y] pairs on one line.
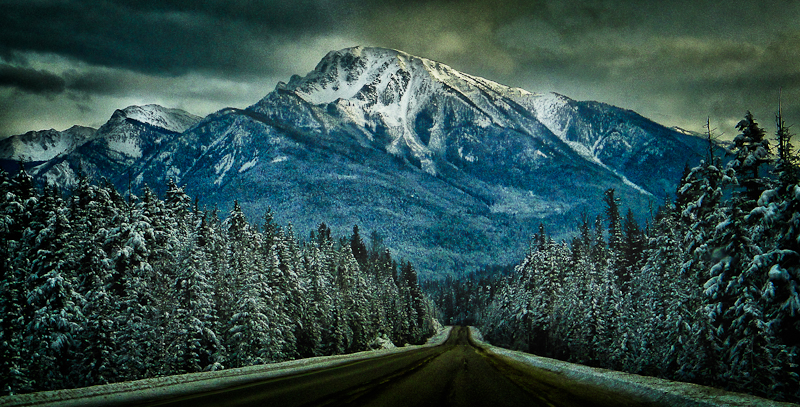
[[98, 287], [706, 292]]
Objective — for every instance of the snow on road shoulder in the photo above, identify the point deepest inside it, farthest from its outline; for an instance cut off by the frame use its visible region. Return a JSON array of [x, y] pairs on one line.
[[145, 390], [658, 391], [440, 337]]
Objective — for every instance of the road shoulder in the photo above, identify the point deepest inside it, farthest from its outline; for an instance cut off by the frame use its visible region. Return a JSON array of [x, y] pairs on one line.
[[142, 391], [644, 389]]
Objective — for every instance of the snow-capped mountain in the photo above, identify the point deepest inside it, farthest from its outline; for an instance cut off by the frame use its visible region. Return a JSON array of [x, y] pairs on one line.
[[135, 129], [453, 170], [172, 120], [122, 144], [37, 146]]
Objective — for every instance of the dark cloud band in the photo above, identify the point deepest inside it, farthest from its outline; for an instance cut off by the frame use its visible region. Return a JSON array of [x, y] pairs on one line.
[[161, 37], [677, 59], [31, 80]]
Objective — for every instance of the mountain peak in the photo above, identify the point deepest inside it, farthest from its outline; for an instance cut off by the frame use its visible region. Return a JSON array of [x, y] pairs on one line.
[[379, 88], [174, 120], [37, 146], [382, 76]]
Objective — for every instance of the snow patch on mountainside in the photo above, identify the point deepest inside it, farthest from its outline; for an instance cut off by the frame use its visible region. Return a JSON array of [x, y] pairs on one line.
[[173, 173], [222, 167], [551, 110], [555, 112], [45, 149], [127, 146], [248, 165], [513, 201], [60, 174], [469, 157]]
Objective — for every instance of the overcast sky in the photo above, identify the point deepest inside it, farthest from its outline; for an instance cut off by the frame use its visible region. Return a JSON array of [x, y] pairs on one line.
[[65, 62]]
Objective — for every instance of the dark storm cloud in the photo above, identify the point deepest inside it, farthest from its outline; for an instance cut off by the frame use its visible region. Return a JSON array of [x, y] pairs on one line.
[[31, 80], [675, 61], [99, 83], [163, 37], [47, 83]]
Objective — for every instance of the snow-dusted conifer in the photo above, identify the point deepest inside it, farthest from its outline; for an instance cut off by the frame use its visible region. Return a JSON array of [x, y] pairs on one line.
[[250, 338], [286, 281], [52, 302], [196, 346], [14, 219], [139, 320], [752, 155]]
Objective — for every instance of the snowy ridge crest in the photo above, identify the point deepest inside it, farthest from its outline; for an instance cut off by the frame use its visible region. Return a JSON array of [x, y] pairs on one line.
[[174, 120], [381, 78], [44, 145], [376, 87], [128, 139]]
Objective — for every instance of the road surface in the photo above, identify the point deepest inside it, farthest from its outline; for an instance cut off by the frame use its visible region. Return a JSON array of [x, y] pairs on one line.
[[457, 373]]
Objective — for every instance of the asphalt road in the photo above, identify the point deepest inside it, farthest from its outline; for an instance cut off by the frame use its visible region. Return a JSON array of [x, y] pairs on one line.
[[457, 373]]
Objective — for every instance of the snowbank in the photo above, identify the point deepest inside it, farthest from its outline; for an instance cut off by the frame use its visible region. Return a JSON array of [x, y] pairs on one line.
[[652, 389], [145, 390]]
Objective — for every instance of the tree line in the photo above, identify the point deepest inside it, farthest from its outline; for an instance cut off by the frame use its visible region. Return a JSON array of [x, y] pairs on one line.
[[706, 292], [99, 288]]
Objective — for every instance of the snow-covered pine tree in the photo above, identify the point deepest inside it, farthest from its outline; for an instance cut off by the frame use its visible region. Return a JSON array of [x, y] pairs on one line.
[[140, 322], [787, 160], [388, 293], [352, 300], [165, 227], [699, 208], [251, 338], [320, 303], [358, 247], [732, 299], [573, 302], [193, 341], [420, 327], [776, 228], [752, 156], [52, 302], [660, 301], [91, 211], [15, 216], [98, 339], [505, 314], [286, 281], [633, 245], [211, 238], [739, 279], [322, 275], [540, 278], [616, 239]]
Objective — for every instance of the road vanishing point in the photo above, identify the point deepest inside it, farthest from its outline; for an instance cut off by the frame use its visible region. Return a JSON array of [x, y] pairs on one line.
[[459, 372]]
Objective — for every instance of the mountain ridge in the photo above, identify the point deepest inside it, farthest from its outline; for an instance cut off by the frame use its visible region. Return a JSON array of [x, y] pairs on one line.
[[455, 171]]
